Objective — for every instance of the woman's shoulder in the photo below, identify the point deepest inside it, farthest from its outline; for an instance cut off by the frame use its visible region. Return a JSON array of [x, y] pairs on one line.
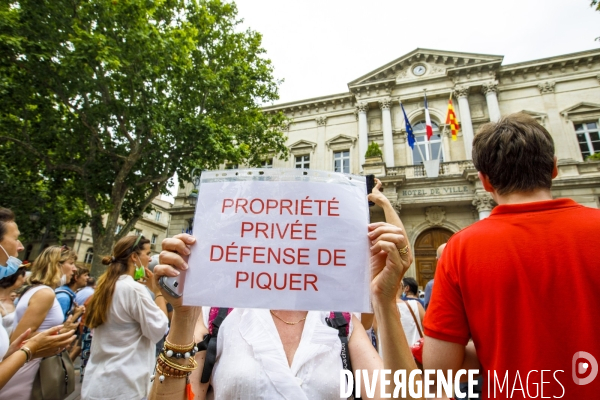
[[126, 286], [42, 292]]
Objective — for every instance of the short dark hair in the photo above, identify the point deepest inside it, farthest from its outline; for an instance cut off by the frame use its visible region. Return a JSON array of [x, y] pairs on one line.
[[91, 281], [413, 286], [10, 280], [516, 153], [6, 215], [80, 271]]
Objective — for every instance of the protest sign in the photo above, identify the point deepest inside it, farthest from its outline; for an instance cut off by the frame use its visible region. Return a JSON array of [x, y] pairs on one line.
[[280, 239]]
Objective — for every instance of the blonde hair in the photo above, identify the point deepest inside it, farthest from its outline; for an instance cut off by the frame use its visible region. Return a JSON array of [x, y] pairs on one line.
[[47, 267]]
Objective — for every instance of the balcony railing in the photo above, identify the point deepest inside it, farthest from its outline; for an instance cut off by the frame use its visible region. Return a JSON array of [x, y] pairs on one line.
[[418, 171]]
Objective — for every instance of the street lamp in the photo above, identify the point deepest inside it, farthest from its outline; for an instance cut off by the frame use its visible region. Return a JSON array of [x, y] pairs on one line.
[[193, 196]]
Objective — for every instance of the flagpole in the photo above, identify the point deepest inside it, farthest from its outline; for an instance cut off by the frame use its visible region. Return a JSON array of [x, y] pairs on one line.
[[427, 137]]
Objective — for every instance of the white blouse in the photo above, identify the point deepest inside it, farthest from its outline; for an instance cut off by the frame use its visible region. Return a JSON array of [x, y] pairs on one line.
[[123, 349], [251, 362]]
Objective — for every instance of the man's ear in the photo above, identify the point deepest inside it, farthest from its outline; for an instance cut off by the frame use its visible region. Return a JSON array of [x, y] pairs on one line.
[[555, 168], [485, 180]]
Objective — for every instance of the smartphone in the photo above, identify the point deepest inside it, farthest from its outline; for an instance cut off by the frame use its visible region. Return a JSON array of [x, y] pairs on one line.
[[173, 285], [370, 186]]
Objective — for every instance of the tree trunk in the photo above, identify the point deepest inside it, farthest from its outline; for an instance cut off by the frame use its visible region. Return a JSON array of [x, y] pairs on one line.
[[102, 247]]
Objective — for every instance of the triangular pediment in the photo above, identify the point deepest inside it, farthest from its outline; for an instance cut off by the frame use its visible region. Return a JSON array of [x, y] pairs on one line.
[[341, 140], [435, 62], [303, 144], [582, 108]]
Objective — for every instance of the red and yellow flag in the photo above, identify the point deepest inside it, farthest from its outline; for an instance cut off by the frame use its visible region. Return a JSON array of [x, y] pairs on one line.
[[451, 119]]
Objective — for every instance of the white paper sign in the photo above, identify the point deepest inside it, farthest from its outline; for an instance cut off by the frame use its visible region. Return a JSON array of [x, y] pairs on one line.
[[280, 239]]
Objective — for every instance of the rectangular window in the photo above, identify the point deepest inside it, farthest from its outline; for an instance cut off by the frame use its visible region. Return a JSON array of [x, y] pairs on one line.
[[231, 166], [138, 232], [157, 216], [588, 136], [267, 163], [303, 161], [154, 238], [119, 227], [341, 161]]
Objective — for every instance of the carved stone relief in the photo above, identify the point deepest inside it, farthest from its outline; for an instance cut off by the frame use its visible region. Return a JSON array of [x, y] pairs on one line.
[[362, 107], [385, 103], [435, 215], [483, 202], [546, 87], [489, 87], [321, 120], [461, 90]]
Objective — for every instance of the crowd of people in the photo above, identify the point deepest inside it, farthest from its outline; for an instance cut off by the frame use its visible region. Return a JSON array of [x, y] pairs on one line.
[[493, 306]]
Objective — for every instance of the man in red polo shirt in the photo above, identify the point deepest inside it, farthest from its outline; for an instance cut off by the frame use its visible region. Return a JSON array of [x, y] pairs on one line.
[[524, 283]]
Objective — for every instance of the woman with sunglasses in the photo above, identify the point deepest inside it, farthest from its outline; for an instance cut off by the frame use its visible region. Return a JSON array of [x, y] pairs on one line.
[[126, 325]]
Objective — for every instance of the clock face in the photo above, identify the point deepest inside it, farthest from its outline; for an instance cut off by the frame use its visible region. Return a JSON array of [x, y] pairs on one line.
[[419, 70]]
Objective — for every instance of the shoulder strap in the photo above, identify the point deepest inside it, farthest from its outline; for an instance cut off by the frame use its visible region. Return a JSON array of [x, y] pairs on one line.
[[414, 318], [71, 296], [215, 319], [341, 322]]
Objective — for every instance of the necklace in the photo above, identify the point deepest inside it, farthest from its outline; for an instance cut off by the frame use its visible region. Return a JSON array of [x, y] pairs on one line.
[[286, 322]]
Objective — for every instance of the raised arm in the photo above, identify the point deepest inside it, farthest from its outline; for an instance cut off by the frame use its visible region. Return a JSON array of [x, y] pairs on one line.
[[389, 262], [174, 259]]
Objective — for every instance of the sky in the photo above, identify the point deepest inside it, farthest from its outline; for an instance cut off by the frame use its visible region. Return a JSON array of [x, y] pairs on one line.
[[318, 46]]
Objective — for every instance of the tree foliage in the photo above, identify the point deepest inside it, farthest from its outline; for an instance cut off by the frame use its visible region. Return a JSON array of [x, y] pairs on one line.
[[116, 96], [373, 150]]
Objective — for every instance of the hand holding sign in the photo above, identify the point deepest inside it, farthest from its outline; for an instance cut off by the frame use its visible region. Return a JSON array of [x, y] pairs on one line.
[[388, 266], [290, 237]]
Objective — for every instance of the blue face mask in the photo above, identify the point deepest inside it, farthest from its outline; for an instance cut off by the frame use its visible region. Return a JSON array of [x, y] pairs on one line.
[[12, 265]]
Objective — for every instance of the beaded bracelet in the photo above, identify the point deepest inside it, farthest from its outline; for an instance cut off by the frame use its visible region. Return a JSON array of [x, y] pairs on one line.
[[172, 350], [188, 368]]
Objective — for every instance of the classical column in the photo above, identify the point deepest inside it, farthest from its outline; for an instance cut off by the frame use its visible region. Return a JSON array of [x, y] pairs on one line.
[[320, 160], [363, 132], [388, 139], [462, 93], [484, 204], [490, 89]]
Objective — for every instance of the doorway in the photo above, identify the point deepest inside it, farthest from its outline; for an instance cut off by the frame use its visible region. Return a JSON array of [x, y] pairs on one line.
[[425, 251]]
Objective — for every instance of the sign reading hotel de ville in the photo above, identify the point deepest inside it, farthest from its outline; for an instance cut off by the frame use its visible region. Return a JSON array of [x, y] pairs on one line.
[[280, 238]]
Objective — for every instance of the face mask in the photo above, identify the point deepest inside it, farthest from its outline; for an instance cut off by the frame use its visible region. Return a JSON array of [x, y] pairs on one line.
[[12, 265], [139, 273], [63, 280]]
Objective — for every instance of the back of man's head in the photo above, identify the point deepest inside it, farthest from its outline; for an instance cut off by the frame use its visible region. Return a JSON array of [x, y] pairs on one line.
[[440, 250], [516, 153]]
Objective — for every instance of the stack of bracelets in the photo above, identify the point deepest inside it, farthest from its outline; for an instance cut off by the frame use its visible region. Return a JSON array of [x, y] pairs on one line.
[[165, 367]]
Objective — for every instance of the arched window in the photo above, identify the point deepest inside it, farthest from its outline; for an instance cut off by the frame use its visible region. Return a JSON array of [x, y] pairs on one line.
[[89, 256], [424, 150]]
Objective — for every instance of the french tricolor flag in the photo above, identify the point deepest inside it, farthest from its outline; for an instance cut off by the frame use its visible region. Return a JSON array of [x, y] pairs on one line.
[[428, 128]]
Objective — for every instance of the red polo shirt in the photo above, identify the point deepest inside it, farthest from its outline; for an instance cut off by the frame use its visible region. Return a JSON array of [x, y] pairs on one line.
[[524, 284]]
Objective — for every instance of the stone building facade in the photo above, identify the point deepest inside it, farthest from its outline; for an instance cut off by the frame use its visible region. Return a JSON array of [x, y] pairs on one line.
[[333, 132]]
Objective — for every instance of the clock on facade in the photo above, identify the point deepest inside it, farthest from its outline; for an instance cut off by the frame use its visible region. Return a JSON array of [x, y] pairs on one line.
[[419, 70]]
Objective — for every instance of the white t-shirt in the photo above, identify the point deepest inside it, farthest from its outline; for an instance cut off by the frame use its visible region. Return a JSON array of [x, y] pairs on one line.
[[251, 362], [123, 349], [4, 339]]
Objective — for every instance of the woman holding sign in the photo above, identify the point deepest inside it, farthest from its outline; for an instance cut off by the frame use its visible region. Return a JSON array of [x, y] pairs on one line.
[[286, 354]]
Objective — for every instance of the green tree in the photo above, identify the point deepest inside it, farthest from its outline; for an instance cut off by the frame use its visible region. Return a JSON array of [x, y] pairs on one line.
[[116, 96]]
